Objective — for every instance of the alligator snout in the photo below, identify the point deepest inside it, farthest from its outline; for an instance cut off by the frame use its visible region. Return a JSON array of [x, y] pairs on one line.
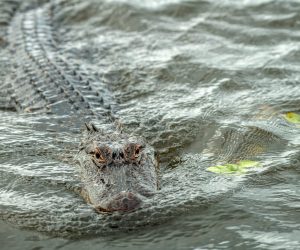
[[124, 201], [118, 155]]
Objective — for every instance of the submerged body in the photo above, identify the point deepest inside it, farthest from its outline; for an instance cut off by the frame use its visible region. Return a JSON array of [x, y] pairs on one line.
[[118, 171]]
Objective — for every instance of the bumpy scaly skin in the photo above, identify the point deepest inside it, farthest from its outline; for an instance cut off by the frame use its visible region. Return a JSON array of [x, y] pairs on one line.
[[7, 10], [44, 79], [117, 170]]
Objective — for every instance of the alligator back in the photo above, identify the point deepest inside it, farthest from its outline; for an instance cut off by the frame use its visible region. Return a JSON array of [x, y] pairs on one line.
[[42, 79], [7, 10]]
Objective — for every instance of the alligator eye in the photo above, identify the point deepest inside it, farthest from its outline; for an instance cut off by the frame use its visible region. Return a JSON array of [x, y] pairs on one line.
[[137, 151], [100, 157], [132, 152]]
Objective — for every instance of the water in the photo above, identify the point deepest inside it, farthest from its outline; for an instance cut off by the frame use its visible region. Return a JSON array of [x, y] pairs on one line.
[[205, 82]]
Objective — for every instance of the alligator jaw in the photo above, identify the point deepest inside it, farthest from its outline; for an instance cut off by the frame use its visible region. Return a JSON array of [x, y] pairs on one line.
[[123, 202]]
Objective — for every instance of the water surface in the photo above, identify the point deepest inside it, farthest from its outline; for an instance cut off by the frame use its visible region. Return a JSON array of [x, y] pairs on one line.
[[198, 79]]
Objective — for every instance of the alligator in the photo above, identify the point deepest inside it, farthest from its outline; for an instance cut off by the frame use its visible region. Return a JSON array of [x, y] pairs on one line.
[[118, 170]]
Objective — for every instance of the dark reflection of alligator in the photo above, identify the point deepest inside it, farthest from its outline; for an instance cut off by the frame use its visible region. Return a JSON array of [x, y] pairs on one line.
[[118, 170]]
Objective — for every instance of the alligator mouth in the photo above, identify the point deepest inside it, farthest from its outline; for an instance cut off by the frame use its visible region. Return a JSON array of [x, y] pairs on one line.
[[122, 202]]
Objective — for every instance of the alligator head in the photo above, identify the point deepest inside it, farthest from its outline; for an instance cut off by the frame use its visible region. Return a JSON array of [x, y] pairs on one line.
[[118, 171]]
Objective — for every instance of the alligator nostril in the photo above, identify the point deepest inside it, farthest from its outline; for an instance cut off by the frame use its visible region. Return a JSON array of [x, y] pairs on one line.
[[124, 201], [121, 154], [114, 155]]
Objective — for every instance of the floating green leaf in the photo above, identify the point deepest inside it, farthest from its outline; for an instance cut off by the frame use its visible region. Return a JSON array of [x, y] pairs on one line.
[[248, 164], [239, 167], [292, 117]]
